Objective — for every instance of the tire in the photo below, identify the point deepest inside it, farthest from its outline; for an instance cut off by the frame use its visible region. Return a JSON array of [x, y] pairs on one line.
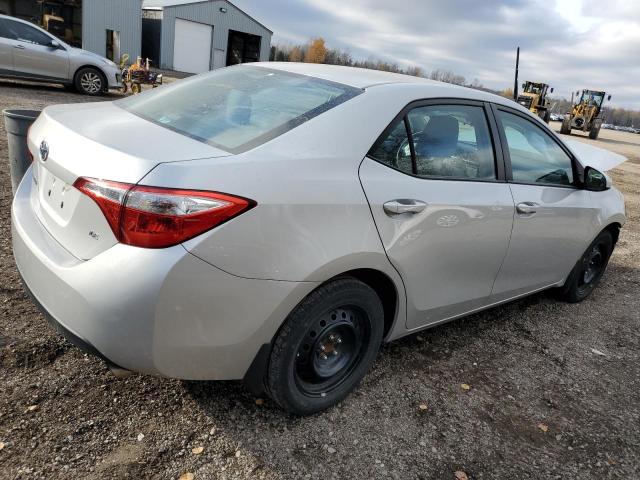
[[136, 88], [304, 375], [90, 81], [565, 129], [586, 274], [547, 116], [595, 129]]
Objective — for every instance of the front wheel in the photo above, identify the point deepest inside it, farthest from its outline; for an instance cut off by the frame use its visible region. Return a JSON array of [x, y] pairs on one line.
[[325, 347], [566, 125], [595, 130], [587, 273], [90, 81]]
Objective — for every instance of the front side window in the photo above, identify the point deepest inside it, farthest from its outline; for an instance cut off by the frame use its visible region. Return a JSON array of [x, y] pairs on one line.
[[448, 141], [238, 108], [535, 156], [25, 33]]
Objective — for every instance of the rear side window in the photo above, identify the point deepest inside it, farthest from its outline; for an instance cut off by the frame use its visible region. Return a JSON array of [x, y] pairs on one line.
[[440, 141], [238, 108], [535, 156], [25, 33], [4, 30]]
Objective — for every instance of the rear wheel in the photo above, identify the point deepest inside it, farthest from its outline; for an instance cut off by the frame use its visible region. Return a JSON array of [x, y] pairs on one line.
[[566, 125], [547, 116], [90, 81], [587, 273], [325, 347]]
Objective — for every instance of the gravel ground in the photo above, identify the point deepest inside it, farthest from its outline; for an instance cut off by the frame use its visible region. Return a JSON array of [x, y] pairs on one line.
[[554, 391]]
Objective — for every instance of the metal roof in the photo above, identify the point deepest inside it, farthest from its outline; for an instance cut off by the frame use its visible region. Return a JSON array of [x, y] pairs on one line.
[[160, 4]]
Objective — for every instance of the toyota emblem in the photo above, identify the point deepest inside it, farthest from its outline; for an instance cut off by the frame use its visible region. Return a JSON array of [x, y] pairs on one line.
[[44, 151]]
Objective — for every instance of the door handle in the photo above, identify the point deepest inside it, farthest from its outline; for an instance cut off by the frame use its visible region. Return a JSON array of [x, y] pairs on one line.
[[19, 47], [527, 208], [400, 206]]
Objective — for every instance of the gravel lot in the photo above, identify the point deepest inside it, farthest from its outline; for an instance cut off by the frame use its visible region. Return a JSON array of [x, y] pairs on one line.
[[542, 402]]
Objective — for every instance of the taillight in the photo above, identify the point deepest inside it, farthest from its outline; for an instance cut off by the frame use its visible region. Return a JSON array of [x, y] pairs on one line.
[[154, 217]]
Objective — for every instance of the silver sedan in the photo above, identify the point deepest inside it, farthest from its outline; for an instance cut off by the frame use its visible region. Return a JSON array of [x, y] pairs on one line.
[[277, 222], [28, 52]]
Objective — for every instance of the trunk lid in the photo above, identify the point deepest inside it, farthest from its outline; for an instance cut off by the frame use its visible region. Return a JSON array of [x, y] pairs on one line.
[[98, 140]]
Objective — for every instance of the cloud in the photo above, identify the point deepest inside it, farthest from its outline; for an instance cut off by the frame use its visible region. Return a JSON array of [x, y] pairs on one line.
[[571, 44]]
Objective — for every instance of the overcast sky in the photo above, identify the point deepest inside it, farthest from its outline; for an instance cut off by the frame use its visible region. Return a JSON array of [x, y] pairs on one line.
[[570, 44]]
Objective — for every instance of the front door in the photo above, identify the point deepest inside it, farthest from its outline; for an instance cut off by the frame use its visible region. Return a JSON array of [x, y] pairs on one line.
[[553, 215], [443, 213], [33, 55]]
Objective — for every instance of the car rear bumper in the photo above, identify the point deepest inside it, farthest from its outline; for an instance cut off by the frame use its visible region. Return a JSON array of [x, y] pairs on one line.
[[161, 311]]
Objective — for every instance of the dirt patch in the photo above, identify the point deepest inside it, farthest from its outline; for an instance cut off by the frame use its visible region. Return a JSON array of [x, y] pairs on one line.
[[528, 364]]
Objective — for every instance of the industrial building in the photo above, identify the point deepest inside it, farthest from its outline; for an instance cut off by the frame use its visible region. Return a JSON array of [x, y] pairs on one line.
[[107, 27], [196, 36]]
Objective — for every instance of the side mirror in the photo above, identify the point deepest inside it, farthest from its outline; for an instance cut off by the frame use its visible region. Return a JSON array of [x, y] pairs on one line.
[[551, 91], [523, 85], [55, 44], [595, 181], [609, 98]]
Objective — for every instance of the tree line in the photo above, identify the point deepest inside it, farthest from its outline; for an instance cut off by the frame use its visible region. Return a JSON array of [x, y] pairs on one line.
[[317, 51]]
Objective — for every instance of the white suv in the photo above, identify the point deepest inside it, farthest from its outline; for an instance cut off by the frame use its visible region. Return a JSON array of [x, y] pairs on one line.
[[30, 53]]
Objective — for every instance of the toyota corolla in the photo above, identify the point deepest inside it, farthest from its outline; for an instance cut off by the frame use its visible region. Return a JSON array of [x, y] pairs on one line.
[[277, 222]]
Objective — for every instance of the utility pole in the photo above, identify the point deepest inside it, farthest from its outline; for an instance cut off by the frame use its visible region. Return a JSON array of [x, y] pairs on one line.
[[515, 83]]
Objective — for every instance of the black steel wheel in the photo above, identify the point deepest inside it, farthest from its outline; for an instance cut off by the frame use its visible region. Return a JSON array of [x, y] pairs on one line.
[[587, 273], [325, 346]]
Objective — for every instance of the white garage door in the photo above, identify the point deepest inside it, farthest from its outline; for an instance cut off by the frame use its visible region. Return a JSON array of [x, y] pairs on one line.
[[192, 47]]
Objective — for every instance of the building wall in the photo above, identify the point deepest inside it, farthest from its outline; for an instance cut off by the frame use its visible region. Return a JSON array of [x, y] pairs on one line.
[[209, 13], [124, 16]]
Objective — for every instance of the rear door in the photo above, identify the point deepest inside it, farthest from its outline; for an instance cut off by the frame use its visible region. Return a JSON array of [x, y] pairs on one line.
[[554, 216], [444, 213], [33, 55]]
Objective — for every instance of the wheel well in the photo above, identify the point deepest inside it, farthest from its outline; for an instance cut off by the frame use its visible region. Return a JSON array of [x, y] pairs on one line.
[[384, 288], [614, 230]]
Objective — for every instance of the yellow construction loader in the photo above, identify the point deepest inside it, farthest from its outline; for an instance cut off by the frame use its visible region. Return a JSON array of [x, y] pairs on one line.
[[586, 114], [534, 98]]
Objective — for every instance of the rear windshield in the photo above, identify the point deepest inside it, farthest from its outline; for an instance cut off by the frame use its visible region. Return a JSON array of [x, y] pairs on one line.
[[238, 108]]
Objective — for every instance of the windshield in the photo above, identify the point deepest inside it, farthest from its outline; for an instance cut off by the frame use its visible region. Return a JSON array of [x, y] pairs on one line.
[[592, 98], [238, 108], [532, 88]]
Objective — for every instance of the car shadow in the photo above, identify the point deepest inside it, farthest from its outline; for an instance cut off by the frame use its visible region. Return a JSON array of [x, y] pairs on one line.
[[444, 340], [25, 86]]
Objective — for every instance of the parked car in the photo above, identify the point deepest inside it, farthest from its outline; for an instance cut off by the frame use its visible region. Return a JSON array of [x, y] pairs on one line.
[[28, 52], [556, 117], [276, 222]]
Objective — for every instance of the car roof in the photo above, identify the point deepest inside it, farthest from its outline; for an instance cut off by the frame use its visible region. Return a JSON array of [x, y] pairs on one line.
[[355, 77], [366, 78]]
